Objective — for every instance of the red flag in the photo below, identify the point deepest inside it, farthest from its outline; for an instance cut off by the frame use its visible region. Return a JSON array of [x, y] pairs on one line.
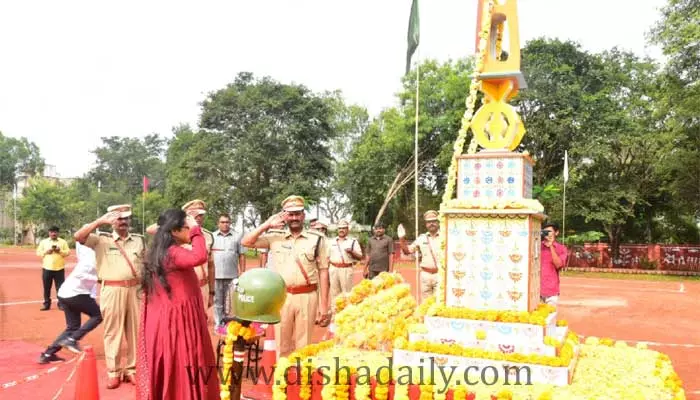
[[145, 184]]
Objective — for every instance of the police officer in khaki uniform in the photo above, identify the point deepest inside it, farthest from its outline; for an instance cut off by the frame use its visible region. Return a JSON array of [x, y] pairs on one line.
[[428, 246], [119, 256], [345, 253], [205, 272], [301, 257]]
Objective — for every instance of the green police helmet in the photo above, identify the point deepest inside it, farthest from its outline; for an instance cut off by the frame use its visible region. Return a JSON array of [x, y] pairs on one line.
[[258, 296]]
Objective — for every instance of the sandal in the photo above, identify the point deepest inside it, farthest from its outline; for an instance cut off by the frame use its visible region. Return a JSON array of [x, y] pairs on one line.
[[325, 321]]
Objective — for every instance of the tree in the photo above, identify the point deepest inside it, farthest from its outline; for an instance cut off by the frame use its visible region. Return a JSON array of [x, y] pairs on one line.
[[19, 157], [44, 203], [625, 149], [556, 108], [122, 162], [678, 34], [380, 167], [276, 140], [196, 168]]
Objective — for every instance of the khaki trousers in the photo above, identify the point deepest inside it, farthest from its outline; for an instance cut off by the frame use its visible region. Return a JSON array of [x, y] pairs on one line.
[[297, 323], [428, 284], [341, 282], [120, 313]]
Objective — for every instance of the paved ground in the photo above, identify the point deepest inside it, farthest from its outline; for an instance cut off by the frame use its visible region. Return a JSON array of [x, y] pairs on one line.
[[663, 313]]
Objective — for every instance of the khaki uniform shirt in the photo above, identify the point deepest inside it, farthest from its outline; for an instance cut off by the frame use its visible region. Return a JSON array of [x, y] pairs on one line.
[[111, 264], [201, 270], [337, 247], [429, 249], [310, 249]]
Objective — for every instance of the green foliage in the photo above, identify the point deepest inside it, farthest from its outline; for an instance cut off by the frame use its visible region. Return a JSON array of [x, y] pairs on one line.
[[122, 162], [581, 238], [43, 202], [19, 156], [276, 141], [386, 148]]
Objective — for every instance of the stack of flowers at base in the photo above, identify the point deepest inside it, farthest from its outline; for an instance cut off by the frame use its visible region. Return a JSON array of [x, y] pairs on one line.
[[606, 370], [234, 330], [374, 313]]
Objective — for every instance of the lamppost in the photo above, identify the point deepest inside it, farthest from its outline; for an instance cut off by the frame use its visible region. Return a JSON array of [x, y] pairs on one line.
[[14, 206]]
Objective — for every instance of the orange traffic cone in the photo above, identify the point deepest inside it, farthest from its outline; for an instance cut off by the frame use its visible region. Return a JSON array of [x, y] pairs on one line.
[[86, 379], [264, 376]]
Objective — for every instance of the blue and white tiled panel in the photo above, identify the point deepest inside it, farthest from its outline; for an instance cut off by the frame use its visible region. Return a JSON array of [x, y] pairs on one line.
[[492, 346], [499, 332], [489, 264], [479, 370], [505, 178]]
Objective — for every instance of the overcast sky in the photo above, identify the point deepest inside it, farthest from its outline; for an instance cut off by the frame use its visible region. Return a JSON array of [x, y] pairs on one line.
[[73, 71]]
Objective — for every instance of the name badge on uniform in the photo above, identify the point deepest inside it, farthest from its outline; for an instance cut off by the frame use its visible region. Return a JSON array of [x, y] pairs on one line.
[[287, 246]]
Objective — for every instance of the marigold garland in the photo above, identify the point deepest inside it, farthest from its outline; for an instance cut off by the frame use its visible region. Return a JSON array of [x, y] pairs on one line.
[[563, 359], [426, 392], [537, 317], [234, 330], [367, 288]]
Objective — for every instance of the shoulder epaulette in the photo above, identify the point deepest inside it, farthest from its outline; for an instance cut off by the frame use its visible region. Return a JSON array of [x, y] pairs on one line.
[[137, 235]]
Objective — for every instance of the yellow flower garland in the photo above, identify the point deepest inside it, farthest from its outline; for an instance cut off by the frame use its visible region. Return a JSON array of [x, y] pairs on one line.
[[367, 288], [426, 392], [233, 331], [536, 317], [566, 352], [459, 393]]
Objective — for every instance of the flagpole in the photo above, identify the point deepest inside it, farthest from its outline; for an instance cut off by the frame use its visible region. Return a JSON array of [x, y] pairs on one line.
[[566, 178], [14, 206], [143, 213], [415, 166]]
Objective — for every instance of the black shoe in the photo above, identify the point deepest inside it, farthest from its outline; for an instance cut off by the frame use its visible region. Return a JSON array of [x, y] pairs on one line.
[[70, 344], [49, 358], [45, 308]]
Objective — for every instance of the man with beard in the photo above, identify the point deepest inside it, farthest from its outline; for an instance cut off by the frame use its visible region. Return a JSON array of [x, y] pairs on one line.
[[428, 246], [119, 261], [301, 257], [345, 252]]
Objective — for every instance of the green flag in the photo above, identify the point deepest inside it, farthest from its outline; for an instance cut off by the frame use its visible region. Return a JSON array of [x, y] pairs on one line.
[[413, 33]]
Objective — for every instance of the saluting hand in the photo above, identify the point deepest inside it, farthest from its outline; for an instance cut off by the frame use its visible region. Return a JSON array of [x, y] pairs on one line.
[[109, 218], [277, 220], [401, 231], [190, 222]]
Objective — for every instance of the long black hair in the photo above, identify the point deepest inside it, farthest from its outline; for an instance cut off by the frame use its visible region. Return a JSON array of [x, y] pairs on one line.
[[156, 259]]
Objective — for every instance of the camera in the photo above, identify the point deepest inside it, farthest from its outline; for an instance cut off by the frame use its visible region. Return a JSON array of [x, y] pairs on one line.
[[543, 235]]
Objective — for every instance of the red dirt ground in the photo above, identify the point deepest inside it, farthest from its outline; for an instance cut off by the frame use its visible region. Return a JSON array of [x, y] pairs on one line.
[[659, 312]]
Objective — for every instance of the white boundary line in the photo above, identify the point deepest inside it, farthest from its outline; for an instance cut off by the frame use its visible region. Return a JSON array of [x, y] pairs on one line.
[[623, 288], [649, 343], [19, 303]]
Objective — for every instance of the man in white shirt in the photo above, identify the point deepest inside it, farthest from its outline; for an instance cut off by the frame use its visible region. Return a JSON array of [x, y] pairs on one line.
[[77, 294]]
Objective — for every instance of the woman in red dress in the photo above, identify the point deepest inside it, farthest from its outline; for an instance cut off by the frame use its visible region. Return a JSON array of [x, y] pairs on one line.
[[175, 356]]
